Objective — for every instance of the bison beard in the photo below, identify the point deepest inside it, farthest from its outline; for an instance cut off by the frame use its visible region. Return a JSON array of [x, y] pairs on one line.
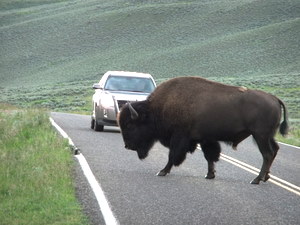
[[187, 111], [143, 150]]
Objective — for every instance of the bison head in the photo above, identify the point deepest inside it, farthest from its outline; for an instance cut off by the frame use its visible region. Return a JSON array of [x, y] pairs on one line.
[[137, 127]]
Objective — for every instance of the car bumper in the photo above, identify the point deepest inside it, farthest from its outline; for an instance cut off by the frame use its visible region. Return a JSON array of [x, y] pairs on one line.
[[106, 122], [106, 116]]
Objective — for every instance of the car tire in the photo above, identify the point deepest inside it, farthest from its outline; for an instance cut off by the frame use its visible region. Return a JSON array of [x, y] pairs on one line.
[[92, 123], [98, 127]]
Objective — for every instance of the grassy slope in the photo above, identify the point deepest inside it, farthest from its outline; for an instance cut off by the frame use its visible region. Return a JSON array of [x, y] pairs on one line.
[[35, 171], [52, 51], [78, 40]]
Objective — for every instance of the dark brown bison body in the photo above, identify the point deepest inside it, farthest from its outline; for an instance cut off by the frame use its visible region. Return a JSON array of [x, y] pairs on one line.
[[187, 111]]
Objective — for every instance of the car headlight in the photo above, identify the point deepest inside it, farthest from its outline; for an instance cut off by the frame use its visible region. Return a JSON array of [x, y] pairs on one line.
[[107, 101]]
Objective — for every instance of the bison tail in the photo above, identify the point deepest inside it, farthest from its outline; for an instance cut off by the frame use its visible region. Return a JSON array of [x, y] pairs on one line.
[[284, 126]]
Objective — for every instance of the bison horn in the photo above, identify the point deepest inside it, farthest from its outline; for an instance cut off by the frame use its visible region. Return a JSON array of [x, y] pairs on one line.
[[134, 114]]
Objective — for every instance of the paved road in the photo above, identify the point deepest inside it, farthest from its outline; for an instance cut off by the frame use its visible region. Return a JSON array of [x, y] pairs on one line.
[[137, 196]]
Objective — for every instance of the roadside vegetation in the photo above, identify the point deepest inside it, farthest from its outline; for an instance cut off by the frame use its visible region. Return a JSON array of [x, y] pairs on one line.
[[35, 171]]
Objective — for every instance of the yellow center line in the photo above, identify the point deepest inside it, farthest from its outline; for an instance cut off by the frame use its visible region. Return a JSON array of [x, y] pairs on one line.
[[273, 179]]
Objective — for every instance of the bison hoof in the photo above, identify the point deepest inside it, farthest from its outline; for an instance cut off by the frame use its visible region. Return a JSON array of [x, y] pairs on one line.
[[210, 176], [161, 173], [256, 180], [267, 177]]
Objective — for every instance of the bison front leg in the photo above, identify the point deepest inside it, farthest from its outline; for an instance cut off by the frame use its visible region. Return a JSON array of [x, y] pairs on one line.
[[179, 146], [211, 170], [211, 150], [168, 167]]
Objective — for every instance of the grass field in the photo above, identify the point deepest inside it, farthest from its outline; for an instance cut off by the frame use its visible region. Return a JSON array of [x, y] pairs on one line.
[[35, 171], [52, 51]]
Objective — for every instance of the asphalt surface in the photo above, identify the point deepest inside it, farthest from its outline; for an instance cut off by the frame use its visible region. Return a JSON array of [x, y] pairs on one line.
[[137, 196]]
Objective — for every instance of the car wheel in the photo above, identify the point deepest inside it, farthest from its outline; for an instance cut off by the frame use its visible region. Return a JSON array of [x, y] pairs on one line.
[[98, 127], [92, 123]]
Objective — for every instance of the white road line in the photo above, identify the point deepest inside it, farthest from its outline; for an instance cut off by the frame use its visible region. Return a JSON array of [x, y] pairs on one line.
[[257, 171], [275, 180], [289, 145], [103, 203], [61, 131]]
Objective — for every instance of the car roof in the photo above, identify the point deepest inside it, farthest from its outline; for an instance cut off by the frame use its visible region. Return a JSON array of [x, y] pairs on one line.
[[127, 73]]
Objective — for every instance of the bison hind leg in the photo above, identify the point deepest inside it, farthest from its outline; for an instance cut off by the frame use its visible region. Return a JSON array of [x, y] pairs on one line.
[[211, 150], [268, 148]]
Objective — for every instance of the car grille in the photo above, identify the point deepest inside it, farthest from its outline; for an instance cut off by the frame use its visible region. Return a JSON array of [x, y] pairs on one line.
[[121, 103]]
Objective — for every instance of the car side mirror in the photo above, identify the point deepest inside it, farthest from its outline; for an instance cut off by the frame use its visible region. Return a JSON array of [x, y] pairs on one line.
[[96, 86]]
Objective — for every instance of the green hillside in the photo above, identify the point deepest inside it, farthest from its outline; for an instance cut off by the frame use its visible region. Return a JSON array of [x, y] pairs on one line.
[[53, 50], [73, 40]]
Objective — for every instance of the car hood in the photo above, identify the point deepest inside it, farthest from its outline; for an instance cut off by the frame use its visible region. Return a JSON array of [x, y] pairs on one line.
[[129, 96]]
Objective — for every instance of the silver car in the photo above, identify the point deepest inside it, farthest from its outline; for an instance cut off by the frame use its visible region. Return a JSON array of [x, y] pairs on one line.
[[115, 89]]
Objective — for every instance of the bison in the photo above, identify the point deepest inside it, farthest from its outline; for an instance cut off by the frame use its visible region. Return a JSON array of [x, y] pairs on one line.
[[186, 111]]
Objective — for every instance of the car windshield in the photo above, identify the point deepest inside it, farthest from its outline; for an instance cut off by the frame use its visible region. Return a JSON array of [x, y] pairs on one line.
[[132, 84]]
